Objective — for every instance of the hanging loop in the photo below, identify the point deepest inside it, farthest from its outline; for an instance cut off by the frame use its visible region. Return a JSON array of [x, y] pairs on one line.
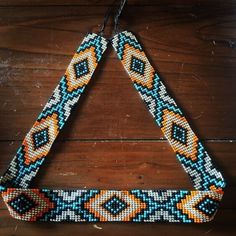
[[117, 10], [117, 16]]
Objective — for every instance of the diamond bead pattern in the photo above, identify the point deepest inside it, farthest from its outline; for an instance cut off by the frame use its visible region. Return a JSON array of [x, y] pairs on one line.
[[137, 65], [40, 138], [81, 68], [22, 204], [179, 133], [115, 205]]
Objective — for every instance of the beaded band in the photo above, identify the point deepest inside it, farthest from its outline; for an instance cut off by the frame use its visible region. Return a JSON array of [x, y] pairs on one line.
[[112, 205], [37, 143], [94, 205]]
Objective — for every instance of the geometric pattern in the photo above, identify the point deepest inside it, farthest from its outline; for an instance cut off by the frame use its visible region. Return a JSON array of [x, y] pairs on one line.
[[81, 68], [137, 65], [22, 204], [112, 205], [207, 206], [179, 134], [186, 206], [196, 205], [39, 140], [27, 205]]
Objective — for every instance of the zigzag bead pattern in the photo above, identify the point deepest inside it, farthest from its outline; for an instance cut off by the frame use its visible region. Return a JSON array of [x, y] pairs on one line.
[[186, 206], [112, 205]]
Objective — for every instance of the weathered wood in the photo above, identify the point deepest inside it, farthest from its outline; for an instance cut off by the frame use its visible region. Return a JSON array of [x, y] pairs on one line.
[[122, 165], [16, 3], [196, 60]]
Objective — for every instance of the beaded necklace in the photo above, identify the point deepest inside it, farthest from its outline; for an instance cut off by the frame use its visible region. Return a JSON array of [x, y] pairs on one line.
[[96, 205]]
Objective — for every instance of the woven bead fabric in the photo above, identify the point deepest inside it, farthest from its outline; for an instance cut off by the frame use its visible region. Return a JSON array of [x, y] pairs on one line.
[[94, 205]]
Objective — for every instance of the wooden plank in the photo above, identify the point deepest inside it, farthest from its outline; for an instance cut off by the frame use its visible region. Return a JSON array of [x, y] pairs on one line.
[[16, 3], [104, 113], [195, 59], [122, 165]]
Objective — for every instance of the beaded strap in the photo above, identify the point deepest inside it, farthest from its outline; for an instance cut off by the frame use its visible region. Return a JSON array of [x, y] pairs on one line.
[[95, 205], [37, 143], [112, 205], [168, 116]]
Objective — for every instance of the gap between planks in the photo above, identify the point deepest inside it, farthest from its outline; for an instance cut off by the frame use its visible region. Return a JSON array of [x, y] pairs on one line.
[[161, 140]]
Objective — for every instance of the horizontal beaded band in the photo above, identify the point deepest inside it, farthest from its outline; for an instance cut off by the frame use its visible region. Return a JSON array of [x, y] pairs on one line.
[[112, 205]]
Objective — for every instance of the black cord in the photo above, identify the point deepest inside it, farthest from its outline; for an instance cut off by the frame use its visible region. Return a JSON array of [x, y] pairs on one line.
[[116, 16], [106, 18]]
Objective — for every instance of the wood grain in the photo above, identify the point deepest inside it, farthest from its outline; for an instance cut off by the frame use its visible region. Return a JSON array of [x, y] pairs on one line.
[[198, 66], [16, 3], [120, 165], [111, 141]]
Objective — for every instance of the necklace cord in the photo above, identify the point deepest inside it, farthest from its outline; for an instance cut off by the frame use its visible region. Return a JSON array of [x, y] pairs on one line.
[[117, 14]]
